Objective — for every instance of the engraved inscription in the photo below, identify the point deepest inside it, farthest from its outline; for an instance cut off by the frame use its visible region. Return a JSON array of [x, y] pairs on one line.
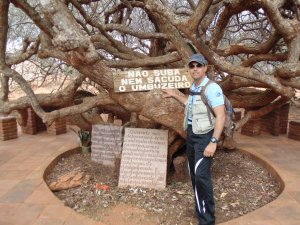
[[106, 143], [144, 158]]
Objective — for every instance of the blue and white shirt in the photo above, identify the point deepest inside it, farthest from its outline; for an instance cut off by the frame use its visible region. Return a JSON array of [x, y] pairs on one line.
[[213, 93]]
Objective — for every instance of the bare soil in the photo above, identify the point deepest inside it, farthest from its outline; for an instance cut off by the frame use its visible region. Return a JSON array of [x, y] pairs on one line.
[[241, 185]]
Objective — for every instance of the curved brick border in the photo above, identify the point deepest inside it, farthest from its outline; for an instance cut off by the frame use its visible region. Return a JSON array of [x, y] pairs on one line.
[[255, 157], [57, 159], [268, 166], [27, 194]]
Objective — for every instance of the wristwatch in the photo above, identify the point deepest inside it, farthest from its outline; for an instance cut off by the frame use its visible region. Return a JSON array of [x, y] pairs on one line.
[[214, 140]]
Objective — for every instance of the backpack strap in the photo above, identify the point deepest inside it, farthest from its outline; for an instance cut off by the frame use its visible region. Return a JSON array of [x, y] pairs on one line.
[[208, 107], [204, 100]]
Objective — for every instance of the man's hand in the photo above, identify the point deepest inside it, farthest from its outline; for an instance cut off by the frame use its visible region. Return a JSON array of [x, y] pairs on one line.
[[210, 149], [169, 93]]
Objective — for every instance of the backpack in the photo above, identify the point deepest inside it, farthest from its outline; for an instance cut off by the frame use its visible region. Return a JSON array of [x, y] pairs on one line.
[[229, 124]]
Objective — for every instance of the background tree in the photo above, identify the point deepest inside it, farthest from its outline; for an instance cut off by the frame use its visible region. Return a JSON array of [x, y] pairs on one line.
[[249, 44]]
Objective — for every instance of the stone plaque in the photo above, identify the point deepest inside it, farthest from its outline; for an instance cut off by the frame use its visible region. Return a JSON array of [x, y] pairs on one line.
[[106, 143], [144, 158]]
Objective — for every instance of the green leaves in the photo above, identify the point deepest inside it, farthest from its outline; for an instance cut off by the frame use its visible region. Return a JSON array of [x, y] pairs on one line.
[[84, 137]]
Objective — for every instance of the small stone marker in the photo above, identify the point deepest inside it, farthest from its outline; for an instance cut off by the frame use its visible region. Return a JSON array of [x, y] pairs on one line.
[[106, 143], [144, 158]]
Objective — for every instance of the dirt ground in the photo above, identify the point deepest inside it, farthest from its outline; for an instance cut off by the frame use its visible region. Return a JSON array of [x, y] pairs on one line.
[[241, 185]]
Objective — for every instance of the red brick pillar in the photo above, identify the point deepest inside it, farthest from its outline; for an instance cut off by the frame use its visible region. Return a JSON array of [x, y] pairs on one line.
[[34, 123], [59, 126], [30, 127], [8, 128]]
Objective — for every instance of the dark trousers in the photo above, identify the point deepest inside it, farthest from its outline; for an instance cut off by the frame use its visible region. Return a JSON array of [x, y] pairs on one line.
[[200, 171]]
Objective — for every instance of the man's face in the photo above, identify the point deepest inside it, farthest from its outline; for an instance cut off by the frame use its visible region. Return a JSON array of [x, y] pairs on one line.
[[197, 70]]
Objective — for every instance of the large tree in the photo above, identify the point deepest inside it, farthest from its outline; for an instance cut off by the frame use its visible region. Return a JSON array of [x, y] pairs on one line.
[[252, 47]]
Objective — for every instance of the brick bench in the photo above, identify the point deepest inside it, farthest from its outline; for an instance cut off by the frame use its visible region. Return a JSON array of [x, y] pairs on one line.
[[34, 124], [275, 123], [8, 128], [294, 130], [252, 127]]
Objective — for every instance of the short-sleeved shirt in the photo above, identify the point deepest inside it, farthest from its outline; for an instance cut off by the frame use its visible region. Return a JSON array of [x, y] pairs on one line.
[[213, 93]]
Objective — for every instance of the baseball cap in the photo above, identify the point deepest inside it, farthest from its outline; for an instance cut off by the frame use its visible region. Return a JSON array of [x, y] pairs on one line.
[[199, 58]]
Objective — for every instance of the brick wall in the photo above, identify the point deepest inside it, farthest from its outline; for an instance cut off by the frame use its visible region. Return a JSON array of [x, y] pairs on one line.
[[294, 130], [275, 123], [270, 123], [237, 115], [284, 118]]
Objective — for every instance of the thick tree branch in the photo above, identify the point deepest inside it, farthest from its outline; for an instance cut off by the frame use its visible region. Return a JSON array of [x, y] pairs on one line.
[[4, 89], [231, 8], [285, 27], [145, 62], [260, 48], [58, 99], [8, 72], [23, 56], [261, 112], [248, 73], [263, 57], [192, 4], [288, 70], [3, 29], [43, 24], [127, 30], [294, 47], [235, 82], [117, 50], [4, 69], [245, 100], [88, 103], [292, 82], [195, 20], [245, 42], [116, 44], [66, 35]]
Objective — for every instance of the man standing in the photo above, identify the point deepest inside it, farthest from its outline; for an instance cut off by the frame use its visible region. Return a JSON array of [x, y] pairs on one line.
[[203, 132]]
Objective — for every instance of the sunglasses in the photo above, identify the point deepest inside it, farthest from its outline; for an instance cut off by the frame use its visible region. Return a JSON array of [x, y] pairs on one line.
[[198, 65]]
